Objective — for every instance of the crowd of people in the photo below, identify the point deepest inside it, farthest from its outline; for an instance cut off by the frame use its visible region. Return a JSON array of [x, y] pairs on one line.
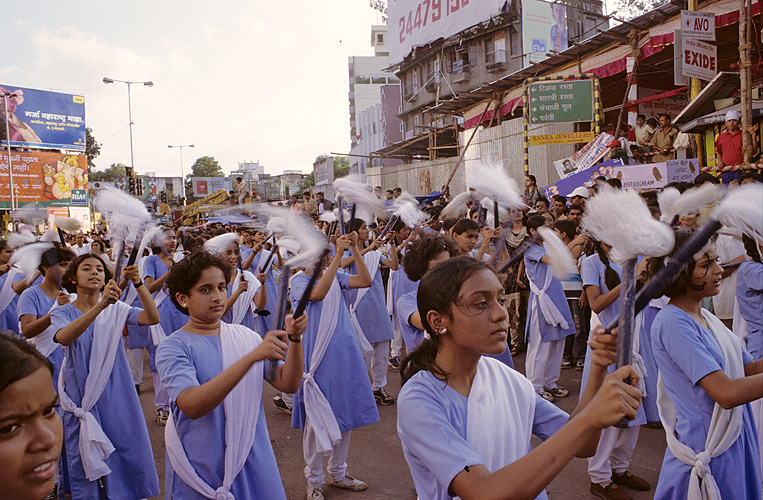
[[205, 306]]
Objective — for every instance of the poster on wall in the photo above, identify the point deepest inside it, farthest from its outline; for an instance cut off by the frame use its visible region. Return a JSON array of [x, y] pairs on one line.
[[43, 119], [48, 179], [544, 29], [587, 156], [670, 105]]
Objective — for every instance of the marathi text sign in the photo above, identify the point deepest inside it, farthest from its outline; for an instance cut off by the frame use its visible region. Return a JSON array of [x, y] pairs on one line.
[[568, 138], [43, 119], [698, 25], [700, 60], [586, 157], [45, 178], [413, 23], [560, 102]]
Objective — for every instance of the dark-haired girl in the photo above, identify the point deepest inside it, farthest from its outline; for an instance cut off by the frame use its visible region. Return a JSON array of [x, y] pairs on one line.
[[30, 429], [548, 323], [12, 284], [217, 437], [107, 446], [707, 381], [257, 261], [608, 468], [452, 441], [339, 396]]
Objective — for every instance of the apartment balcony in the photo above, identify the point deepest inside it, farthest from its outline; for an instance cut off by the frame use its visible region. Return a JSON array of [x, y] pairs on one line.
[[460, 72], [496, 60], [410, 92]]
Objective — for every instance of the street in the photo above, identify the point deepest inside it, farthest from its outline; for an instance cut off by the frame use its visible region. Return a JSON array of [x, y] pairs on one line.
[[376, 456]]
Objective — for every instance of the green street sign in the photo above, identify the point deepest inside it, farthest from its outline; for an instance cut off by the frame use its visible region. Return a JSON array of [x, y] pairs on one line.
[[560, 101]]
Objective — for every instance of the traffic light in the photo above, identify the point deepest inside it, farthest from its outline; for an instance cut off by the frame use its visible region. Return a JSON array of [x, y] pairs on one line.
[[163, 196], [129, 172], [131, 185], [139, 187]]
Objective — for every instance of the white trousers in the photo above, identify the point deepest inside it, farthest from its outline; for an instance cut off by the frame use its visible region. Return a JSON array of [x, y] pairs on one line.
[[337, 465], [135, 360], [376, 364], [613, 453], [161, 396], [397, 340], [543, 363]]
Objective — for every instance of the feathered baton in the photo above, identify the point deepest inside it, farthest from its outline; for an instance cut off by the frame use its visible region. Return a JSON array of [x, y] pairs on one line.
[[406, 208], [360, 196]]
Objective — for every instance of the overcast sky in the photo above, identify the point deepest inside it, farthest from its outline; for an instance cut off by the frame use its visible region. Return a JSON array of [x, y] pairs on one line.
[[241, 80]]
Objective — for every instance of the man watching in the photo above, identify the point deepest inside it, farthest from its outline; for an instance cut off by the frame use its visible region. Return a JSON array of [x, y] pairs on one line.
[[662, 140], [579, 196], [560, 206], [728, 146], [310, 206], [324, 205], [575, 213]]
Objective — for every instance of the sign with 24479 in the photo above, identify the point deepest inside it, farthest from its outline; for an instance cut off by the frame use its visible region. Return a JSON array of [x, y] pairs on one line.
[[560, 101]]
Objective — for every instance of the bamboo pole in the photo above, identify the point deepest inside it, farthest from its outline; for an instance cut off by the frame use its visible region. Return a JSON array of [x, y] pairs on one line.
[[745, 78]]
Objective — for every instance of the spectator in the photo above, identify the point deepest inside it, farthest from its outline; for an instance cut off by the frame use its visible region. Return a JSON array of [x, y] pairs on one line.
[[728, 146], [575, 213], [397, 192], [705, 177], [294, 206], [542, 204], [311, 207], [662, 140], [616, 152], [643, 131], [531, 190], [323, 204], [389, 194], [749, 177], [560, 206], [579, 196]]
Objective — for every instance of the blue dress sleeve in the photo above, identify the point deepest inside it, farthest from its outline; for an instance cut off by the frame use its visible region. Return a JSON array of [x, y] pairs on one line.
[[548, 418], [132, 318], [590, 272], [429, 436], [407, 305], [681, 339], [175, 366], [150, 267], [752, 277], [344, 279], [535, 253], [61, 316], [28, 304], [297, 287]]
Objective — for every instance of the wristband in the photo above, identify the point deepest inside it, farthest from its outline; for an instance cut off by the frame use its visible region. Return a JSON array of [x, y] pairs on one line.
[[140, 284], [295, 340]]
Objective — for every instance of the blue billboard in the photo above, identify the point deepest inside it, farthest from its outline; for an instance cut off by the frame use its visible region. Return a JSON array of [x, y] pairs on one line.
[[42, 119]]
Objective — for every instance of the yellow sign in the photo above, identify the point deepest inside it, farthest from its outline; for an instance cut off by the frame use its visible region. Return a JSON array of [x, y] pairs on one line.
[[571, 138]]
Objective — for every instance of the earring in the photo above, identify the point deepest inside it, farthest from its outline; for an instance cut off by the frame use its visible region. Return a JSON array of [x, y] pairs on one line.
[[443, 331]]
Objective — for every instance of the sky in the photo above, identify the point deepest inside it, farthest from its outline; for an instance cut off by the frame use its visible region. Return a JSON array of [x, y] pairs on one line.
[[242, 80]]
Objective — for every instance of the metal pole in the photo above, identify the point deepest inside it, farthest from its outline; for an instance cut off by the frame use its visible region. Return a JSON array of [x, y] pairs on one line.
[[8, 144], [129, 112], [182, 177]]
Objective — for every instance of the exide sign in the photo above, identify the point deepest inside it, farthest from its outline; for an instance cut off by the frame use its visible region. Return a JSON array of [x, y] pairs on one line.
[[700, 60]]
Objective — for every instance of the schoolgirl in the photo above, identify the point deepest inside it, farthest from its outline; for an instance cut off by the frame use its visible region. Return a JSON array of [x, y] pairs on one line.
[[548, 321], [466, 232], [107, 446], [516, 283], [156, 268], [260, 261], [707, 380], [608, 468], [451, 394], [336, 395], [398, 285], [368, 311], [217, 438], [12, 284]]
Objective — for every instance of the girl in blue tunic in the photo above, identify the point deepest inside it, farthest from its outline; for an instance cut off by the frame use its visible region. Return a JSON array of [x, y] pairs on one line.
[[749, 295], [255, 263], [117, 410], [370, 311], [156, 269], [695, 354], [191, 365], [545, 337], [397, 286], [334, 367], [608, 468], [452, 393], [10, 290]]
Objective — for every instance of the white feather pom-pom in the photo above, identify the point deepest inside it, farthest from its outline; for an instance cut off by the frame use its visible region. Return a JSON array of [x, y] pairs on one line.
[[23, 237], [124, 214], [742, 208], [494, 182], [562, 261], [327, 217], [27, 258], [220, 243], [68, 224], [406, 207], [297, 227], [50, 236], [457, 206], [621, 219], [667, 200], [694, 199], [354, 192]]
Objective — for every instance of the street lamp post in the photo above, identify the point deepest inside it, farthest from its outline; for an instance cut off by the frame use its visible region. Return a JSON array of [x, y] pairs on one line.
[[6, 95], [108, 80], [182, 175]]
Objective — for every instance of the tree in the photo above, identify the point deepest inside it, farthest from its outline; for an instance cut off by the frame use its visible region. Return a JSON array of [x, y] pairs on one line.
[[629, 9], [111, 174], [307, 183], [206, 166], [92, 148], [341, 165]]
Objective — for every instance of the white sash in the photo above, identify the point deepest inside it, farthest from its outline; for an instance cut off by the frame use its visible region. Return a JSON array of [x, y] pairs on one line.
[[44, 342], [371, 260], [132, 293], [725, 425], [390, 298], [551, 313], [7, 293], [242, 410], [317, 407], [244, 301], [157, 332], [500, 394], [94, 446], [264, 257]]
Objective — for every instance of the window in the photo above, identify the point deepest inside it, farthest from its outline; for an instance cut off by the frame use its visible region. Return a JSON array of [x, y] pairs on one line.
[[473, 55], [393, 80], [380, 39], [373, 127], [378, 80], [362, 80]]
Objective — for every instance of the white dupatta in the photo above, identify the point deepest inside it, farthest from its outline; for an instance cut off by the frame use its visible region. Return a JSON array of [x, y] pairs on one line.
[[372, 260], [94, 446], [242, 410], [244, 301], [7, 293], [500, 412], [44, 342], [317, 407], [551, 313], [725, 425], [157, 332]]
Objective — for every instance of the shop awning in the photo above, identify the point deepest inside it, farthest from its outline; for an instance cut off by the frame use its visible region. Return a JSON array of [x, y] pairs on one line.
[[724, 85], [697, 125], [444, 140]]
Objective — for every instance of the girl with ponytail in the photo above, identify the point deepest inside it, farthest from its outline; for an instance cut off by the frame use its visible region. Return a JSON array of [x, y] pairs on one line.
[[452, 392]]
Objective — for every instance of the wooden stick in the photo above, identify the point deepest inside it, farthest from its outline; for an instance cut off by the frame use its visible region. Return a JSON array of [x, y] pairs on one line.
[[306, 294], [626, 321]]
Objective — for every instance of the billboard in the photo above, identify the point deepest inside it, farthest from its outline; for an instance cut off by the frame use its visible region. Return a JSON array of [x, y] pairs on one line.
[[544, 29], [413, 23], [49, 179], [43, 119], [203, 186]]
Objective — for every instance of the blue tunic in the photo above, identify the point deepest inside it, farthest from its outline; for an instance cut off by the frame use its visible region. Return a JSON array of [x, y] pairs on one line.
[[34, 301], [431, 423], [536, 271], [685, 352], [649, 401], [750, 300], [187, 360], [265, 323], [248, 320], [399, 285], [342, 375], [372, 311], [138, 335], [406, 305], [172, 318], [118, 411], [9, 320]]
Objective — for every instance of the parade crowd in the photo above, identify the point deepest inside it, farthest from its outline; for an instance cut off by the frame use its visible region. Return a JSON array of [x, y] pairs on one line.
[[433, 300]]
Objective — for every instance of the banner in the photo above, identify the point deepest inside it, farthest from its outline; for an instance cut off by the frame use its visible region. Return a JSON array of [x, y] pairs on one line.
[[45, 178], [413, 23], [43, 119], [203, 186], [544, 29], [586, 157]]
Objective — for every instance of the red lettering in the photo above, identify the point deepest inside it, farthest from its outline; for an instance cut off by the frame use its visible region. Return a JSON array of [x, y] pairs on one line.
[[436, 10], [426, 11], [417, 18], [409, 24], [402, 30], [687, 54]]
